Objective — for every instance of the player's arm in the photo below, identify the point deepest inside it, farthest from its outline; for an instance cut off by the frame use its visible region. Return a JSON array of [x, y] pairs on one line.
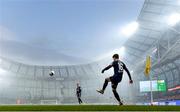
[[106, 68], [129, 75]]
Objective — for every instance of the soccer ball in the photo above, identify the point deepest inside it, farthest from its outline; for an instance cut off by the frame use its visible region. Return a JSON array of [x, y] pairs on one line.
[[51, 73]]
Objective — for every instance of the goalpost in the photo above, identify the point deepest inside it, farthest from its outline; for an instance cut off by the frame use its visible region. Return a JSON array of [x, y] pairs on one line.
[[49, 102]]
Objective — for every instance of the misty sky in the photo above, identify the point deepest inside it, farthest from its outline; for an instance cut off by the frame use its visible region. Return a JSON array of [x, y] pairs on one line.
[[53, 31]]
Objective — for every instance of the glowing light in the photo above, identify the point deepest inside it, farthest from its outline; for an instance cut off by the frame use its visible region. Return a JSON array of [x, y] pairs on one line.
[[173, 19], [129, 29]]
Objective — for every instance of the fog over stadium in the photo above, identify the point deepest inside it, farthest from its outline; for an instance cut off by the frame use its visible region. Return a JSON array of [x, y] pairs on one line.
[[63, 32], [76, 39]]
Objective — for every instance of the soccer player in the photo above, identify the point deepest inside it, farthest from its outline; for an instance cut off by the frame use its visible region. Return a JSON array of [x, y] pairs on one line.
[[119, 67], [78, 93]]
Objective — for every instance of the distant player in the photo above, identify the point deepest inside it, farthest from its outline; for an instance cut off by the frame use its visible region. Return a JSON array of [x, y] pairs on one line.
[[78, 93], [119, 67]]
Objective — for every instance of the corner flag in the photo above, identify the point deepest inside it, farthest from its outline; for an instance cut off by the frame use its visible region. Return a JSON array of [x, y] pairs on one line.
[[148, 66]]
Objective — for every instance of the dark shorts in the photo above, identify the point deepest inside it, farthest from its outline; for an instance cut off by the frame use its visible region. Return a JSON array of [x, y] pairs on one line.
[[116, 78], [78, 95]]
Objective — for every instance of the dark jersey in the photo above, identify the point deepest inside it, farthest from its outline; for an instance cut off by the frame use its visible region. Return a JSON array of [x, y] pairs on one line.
[[78, 90], [119, 67]]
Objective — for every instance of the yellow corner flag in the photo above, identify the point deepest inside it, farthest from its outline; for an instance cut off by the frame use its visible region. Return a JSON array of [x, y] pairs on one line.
[[148, 66]]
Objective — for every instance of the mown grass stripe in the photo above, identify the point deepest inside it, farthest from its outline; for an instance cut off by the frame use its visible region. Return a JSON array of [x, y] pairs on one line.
[[86, 108]]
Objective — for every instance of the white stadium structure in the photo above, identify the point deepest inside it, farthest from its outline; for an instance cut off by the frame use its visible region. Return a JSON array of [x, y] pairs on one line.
[[158, 35]]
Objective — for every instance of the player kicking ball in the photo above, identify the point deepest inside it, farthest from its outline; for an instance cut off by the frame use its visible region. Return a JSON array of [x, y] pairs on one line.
[[119, 67]]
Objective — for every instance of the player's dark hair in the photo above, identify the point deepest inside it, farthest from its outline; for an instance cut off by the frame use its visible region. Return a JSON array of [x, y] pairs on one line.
[[116, 56]]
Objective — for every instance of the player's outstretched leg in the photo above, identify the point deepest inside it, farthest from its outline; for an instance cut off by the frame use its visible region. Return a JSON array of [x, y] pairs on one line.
[[104, 86], [114, 86]]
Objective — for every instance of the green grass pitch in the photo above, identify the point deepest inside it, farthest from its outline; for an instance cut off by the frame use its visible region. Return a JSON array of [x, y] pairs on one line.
[[86, 108]]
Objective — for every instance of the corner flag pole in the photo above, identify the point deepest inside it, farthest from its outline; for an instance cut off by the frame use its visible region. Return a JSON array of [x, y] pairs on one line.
[[147, 73]]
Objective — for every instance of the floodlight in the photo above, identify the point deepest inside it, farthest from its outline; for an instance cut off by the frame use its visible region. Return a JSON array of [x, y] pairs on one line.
[[173, 19], [129, 29]]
